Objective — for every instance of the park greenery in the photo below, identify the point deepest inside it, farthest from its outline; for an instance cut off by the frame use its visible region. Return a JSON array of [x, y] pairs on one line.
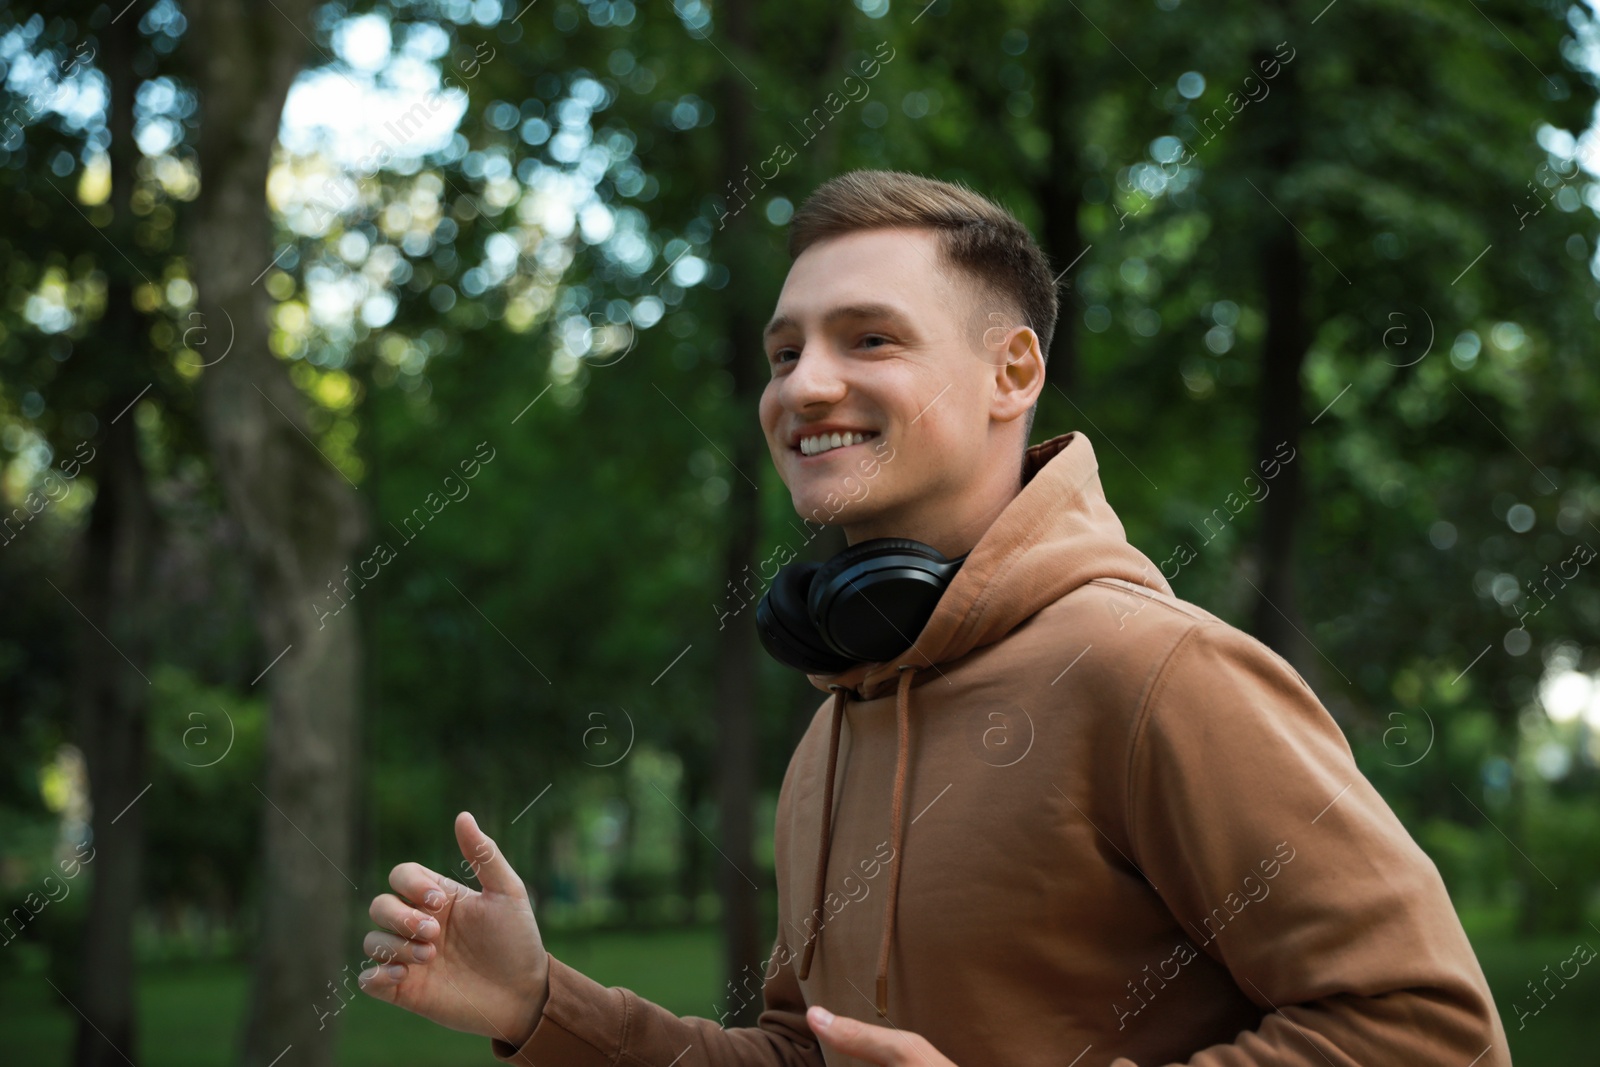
[[378, 441]]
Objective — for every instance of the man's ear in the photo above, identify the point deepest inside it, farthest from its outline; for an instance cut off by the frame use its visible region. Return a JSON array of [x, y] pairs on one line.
[[1018, 380]]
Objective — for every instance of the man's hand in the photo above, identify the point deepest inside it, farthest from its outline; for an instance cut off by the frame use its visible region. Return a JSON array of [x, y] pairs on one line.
[[469, 960], [882, 1045]]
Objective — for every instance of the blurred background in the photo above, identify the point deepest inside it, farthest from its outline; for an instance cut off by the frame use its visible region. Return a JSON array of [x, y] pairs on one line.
[[378, 407]]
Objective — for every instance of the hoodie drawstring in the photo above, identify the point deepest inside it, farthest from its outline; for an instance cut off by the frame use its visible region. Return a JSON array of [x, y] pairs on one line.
[[840, 695], [902, 714], [897, 808]]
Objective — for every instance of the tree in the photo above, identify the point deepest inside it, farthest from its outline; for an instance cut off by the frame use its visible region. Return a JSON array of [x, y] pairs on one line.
[[301, 519]]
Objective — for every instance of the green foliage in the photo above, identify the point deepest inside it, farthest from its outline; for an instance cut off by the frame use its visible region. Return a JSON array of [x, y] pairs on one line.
[[1450, 410], [1564, 833], [203, 811]]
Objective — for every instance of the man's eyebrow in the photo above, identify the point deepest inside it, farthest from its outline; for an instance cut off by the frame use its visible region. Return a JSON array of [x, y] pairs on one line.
[[846, 311]]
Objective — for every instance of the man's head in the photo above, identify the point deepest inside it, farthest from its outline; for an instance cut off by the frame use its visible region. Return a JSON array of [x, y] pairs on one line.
[[918, 312]]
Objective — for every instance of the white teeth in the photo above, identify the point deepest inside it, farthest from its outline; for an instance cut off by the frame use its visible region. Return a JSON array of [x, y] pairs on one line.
[[812, 446]]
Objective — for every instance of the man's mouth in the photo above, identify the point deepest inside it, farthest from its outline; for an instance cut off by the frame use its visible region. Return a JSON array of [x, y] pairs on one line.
[[822, 443]]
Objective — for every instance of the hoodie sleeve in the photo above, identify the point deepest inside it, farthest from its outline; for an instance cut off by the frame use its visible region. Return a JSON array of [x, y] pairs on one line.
[[586, 1024], [1247, 813]]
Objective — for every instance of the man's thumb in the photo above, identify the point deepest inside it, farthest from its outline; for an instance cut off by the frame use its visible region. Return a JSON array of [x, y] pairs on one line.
[[484, 858], [875, 1044]]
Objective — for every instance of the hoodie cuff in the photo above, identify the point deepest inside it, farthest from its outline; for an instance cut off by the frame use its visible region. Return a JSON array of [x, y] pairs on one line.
[[582, 1024]]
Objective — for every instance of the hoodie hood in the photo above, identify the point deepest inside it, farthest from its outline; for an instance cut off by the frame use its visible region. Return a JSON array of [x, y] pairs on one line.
[[1056, 534]]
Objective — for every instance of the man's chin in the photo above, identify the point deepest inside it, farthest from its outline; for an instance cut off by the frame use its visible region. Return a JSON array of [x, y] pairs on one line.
[[834, 508]]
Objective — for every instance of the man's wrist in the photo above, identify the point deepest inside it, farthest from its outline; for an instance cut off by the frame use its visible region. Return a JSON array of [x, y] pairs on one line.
[[537, 996]]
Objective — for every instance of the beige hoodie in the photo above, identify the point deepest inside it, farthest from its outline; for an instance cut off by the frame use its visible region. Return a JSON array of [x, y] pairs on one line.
[[1079, 822]]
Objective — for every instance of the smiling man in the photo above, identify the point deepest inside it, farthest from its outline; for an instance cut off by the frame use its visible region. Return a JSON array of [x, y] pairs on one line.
[[1073, 820], [905, 368]]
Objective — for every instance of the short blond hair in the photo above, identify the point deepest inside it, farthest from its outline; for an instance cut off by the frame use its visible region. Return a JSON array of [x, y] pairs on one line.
[[975, 234]]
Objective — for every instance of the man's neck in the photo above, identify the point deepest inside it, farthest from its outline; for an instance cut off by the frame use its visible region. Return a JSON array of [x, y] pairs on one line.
[[952, 533]]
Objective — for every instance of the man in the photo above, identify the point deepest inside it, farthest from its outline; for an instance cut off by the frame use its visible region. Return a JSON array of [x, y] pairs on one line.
[[1077, 821]]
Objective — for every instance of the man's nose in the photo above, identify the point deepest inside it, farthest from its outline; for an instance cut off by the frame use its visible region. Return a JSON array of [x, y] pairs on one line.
[[817, 377]]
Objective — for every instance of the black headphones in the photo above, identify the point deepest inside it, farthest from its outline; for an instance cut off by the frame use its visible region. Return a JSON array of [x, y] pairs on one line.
[[865, 605]]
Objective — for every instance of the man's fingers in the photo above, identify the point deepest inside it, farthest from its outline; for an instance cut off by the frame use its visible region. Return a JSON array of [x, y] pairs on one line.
[[392, 913], [875, 1044], [382, 981], [422, 887], [485, 858], [392, 948]]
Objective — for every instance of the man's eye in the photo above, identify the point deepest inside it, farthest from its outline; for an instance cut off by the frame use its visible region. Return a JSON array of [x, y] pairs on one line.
[[778, 356], [874, 337]]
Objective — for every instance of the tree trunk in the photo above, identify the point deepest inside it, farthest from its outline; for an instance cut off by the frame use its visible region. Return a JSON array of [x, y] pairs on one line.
[[113, 693], [736, 678], [301, 521], [692, 864], [1059, 192], [1275, 617], [112, 714]]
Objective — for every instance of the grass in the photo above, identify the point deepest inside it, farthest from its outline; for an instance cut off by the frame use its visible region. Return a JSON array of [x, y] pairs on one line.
[[190, 1014]]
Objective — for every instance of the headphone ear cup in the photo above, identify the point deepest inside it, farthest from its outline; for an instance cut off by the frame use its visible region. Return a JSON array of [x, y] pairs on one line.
[[871, 601], [785, 625]]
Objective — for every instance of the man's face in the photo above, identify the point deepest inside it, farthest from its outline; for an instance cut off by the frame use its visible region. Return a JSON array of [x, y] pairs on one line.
[[870, 336]]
